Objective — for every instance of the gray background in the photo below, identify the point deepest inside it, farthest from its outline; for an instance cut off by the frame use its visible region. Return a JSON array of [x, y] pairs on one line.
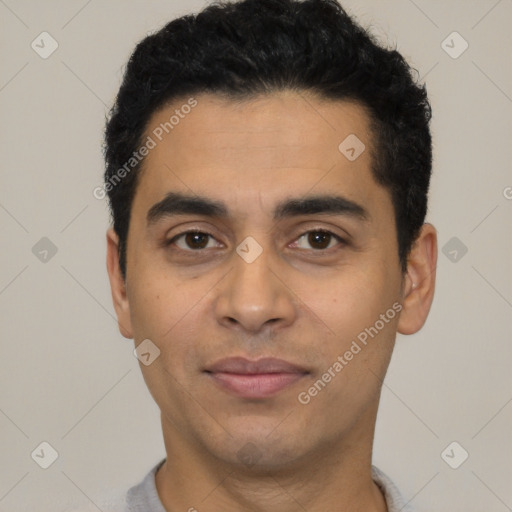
[[67, 376]]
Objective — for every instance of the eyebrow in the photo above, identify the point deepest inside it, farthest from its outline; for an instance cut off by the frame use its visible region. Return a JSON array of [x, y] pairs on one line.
[[182, 204]]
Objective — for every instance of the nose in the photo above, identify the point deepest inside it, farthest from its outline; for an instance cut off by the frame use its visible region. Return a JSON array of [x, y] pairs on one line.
[[255, 296]]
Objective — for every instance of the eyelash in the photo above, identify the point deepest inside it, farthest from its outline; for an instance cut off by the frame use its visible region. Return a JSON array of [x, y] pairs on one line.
[[340, 240]]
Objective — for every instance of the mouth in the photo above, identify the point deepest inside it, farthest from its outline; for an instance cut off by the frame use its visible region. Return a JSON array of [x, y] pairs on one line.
[[261, 378]]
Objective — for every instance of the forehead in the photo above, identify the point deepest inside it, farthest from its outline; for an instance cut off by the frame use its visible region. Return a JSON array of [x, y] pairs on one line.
[[259, 151]]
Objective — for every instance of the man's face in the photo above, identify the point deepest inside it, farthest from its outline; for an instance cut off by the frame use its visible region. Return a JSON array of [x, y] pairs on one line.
[[321, 266]]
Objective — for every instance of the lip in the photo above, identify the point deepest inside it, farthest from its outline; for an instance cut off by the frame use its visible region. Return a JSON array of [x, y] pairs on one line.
[[260, 378]]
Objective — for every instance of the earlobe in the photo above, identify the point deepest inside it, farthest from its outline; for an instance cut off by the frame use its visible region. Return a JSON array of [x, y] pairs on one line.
[[118, 285], [419, 281]]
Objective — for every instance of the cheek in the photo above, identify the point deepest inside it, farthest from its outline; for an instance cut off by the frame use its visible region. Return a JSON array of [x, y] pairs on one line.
[[343, 299], [158, 304], [353, 302], [356, 354], [171, 313]]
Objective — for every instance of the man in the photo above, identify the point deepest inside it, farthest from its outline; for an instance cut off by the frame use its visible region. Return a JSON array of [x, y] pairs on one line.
[[268, 166]]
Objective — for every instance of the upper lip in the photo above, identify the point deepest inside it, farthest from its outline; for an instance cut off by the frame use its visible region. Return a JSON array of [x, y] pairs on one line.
[[243, 366]]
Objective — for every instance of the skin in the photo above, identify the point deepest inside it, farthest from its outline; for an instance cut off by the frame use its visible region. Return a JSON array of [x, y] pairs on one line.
[[296, 301]]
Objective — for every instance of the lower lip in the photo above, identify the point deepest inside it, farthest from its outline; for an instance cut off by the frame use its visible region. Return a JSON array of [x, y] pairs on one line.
[[260, 385]]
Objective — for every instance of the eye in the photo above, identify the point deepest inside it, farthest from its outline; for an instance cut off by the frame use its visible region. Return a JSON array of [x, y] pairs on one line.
[[193, 240], [318, 240]]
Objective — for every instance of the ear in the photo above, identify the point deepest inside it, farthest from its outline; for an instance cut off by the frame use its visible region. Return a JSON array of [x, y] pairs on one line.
[[118, 285], [419, 282]]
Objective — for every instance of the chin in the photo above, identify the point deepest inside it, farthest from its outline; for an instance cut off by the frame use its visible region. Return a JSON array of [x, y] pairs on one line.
[[259, 451]]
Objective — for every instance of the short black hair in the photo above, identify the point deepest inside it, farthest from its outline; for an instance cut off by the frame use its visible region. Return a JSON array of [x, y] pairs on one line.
[[248, 48]]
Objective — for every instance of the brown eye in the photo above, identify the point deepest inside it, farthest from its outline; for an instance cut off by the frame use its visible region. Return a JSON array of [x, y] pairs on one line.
[[193, 240], [318, 240], [196, 240]]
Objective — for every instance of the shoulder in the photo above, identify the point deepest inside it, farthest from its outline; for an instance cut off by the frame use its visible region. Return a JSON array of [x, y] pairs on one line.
[[109, 501], [141, 497], [394, 499]]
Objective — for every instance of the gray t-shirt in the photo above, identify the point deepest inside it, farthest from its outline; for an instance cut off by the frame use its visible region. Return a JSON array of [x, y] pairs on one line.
[[143, 497]]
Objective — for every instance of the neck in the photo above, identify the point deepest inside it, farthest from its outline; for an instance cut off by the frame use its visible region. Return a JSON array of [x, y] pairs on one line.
[[332, 478]]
